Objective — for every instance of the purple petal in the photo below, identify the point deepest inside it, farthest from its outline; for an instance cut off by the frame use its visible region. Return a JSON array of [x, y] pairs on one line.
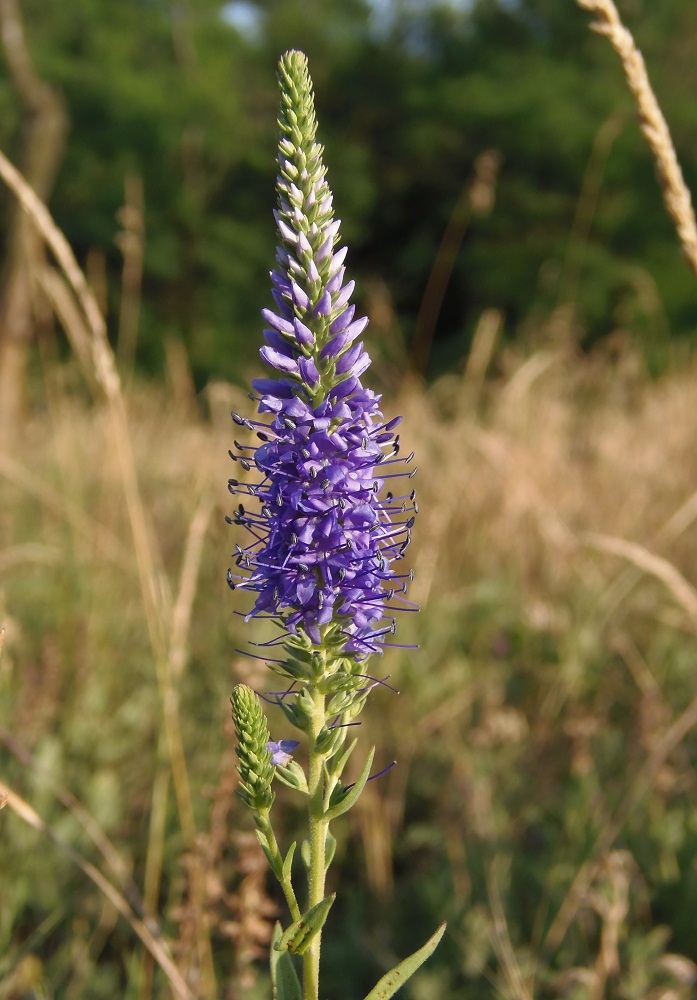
[[324, 306], [282, 751], [300, 296], [286, 232], [336, 345], [303, 334], [342, 320], [347, 360], [308, 370], [345, 294], [277, 322], [277, 360]]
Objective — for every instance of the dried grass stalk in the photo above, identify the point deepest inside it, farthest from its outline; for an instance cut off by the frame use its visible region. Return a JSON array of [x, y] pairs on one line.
[[675, 193]]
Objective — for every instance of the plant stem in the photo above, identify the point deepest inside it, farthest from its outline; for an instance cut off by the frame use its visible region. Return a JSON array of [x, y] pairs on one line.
[[318, 839], [264, 824]]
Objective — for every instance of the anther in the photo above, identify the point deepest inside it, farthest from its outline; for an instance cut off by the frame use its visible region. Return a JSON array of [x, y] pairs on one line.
[[409, 458], [237, 418], [245, 464]]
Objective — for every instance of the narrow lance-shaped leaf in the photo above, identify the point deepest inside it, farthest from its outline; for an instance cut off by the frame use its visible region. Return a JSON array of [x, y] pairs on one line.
[[397, 977], [298, 936], [344, 797]]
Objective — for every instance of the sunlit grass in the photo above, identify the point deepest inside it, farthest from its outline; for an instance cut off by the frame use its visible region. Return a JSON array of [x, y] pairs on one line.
[[540, 792]]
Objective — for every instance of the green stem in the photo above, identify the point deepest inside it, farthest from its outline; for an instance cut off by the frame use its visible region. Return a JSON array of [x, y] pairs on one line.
[[318, 841], [264, 824]]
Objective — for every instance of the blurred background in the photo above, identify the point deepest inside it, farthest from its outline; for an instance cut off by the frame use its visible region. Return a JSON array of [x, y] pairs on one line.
[[533, 319]]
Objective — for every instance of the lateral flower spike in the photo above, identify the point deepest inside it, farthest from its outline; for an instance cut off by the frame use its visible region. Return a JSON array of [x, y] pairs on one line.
[[255, 759], [331, 513]]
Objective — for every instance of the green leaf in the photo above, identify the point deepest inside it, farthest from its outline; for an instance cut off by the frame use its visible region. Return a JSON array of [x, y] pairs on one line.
[[269, 856], [288, 862], [293, 776], [298, 936], [336, 766], [397, 977], [343, 796], [330, 850], [284, 978]]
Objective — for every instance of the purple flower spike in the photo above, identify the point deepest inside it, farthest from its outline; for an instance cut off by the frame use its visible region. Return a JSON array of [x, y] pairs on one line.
[[325, 531]]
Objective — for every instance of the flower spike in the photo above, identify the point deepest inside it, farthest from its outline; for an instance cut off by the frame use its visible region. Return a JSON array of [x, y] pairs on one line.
[[323, 539]]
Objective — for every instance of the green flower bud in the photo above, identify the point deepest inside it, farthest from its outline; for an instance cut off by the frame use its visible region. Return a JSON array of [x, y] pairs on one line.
[[255, 768]]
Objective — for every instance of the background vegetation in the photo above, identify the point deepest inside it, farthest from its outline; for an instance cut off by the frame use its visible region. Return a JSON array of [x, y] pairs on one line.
[[544, 798]]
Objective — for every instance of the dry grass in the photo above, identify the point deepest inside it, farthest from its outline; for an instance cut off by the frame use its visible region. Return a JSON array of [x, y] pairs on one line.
[[538, 496], [675, 193]]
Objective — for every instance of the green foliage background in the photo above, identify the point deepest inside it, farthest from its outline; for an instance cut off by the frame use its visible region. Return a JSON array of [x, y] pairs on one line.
[[178, 95]]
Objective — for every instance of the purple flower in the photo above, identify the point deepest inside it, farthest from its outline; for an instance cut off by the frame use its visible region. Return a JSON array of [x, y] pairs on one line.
[[325, 530], [282, 751]]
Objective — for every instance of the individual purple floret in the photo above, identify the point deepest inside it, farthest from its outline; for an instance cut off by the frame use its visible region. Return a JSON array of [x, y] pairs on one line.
[[329, 527], [282, 751]]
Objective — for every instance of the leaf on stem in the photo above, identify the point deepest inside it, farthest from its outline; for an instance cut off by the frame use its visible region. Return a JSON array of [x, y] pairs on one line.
[[284, 978], [397, 977], [330, 850], [344, 796], [297, 937], [293, 776], [270, 857], [288, 862]]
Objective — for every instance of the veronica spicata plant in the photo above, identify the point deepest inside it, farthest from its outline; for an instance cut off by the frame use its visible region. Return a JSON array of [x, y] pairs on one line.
[[328, 508]]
